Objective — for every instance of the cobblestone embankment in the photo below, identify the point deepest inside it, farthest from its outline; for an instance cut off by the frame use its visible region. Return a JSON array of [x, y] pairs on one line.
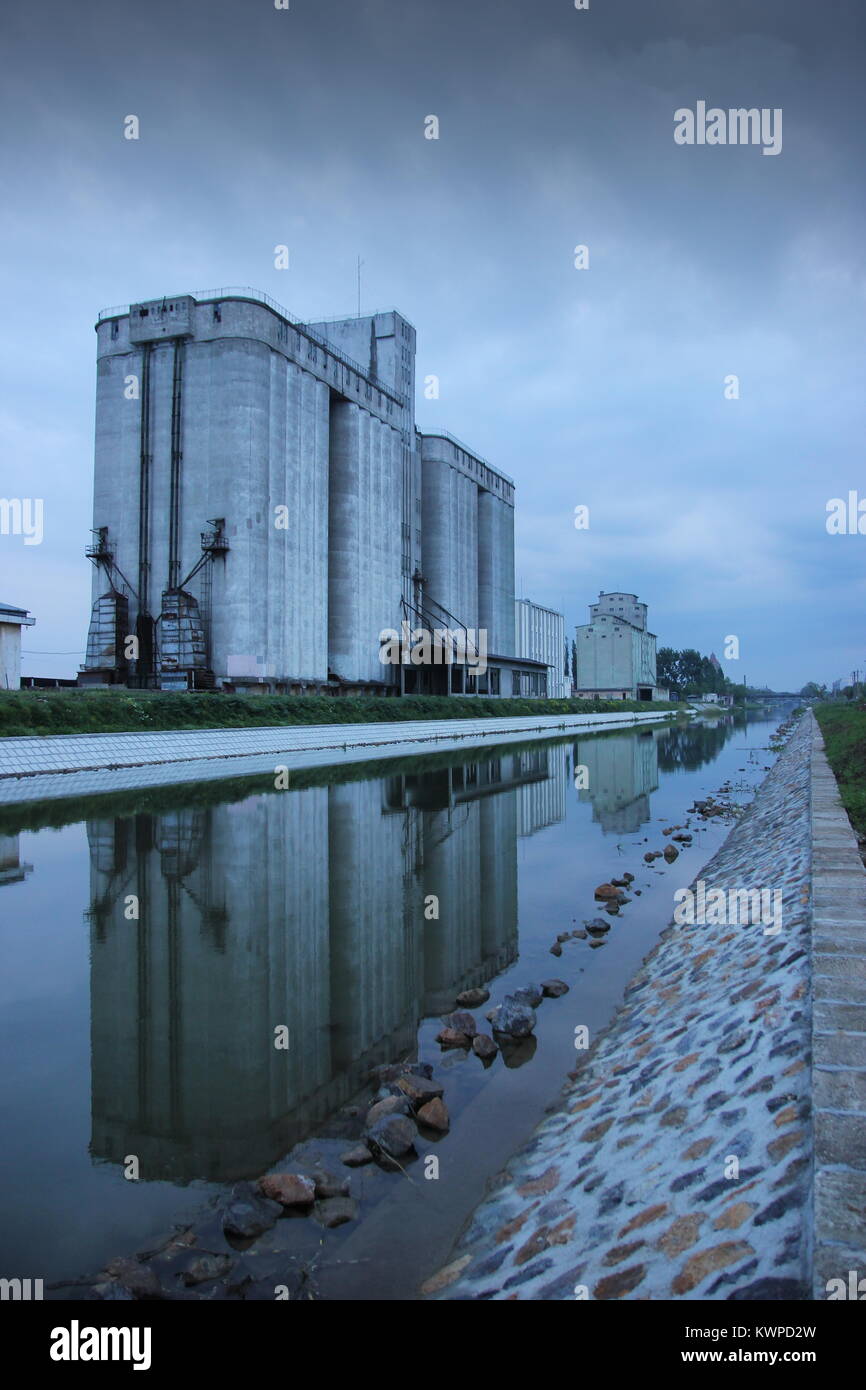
[[679, 1164]]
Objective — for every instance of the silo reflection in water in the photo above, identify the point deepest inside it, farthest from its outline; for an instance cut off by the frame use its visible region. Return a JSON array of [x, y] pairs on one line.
[[212, 926]]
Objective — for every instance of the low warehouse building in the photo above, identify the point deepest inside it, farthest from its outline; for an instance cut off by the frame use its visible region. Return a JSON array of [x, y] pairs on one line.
[[11, 622]]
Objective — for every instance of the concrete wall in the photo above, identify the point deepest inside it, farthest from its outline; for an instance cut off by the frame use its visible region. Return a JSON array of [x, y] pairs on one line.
[[254, 435], [383, 345], [612, 654], [10, 656], [496, 571], [468, 539], [365, 575], [621, 606]]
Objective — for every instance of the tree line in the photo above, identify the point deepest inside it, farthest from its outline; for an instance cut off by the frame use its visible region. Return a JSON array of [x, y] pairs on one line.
[[689, 673]]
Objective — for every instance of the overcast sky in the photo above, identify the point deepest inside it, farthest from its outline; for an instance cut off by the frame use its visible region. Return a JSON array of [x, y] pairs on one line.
[[602, 387]]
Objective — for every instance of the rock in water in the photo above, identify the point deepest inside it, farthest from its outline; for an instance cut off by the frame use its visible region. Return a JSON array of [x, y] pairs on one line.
[[607, 890], [435, 1115], [513, 1018], [357, 1157], [391, 1105], [138, 1280], [419, 1089], [289, 1189], [483, 1046], [328, 1185], [597, 927], [473, 998], [671, 853], [335, 1211], [248, 1217], [554, 988], [449, 1037], [462, 1022], [206, 1267], [391, 1137], [530, 994], [556, 949], [382, 1076]]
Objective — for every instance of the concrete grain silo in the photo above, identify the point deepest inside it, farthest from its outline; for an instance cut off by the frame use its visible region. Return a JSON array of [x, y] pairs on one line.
[[264, 508]]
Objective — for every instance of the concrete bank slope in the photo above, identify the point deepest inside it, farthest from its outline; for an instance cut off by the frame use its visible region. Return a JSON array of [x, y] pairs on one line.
[[45, 768], [678, 1164]]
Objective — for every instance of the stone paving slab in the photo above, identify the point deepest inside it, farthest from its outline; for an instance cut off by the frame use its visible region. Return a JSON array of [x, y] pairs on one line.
[[678, 1163]]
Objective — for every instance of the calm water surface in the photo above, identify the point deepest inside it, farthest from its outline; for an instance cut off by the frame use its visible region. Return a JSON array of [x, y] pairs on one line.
[[257, 908]]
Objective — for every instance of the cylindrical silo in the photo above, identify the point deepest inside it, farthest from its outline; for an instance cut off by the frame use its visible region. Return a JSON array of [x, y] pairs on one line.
[[496, 572], [365, 581]]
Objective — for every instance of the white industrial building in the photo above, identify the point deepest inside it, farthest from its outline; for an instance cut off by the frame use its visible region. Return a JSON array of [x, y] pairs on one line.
[[11, 622], [540, 636], [616, 655], [265, 508]]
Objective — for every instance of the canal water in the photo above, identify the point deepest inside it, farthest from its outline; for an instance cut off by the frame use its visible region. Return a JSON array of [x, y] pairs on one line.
[[153, 942]]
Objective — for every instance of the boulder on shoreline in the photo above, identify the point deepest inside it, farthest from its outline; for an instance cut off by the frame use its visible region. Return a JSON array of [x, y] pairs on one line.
[[512, 1018], [289, 1189]]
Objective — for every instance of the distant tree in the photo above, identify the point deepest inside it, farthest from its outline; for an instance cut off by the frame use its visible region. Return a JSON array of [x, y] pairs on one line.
[[709, 677], [812, 691], [667, 668], [691, 671]]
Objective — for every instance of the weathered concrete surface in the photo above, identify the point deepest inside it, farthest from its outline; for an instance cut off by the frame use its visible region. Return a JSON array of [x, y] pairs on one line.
[[679, 1163], [65, 765], [838, 1034]]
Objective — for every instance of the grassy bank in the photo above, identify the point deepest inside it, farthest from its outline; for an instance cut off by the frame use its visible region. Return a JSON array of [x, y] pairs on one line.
[[844, 730], [29, 712]]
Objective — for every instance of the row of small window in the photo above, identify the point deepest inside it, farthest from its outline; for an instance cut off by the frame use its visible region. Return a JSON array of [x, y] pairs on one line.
[[488, 684]]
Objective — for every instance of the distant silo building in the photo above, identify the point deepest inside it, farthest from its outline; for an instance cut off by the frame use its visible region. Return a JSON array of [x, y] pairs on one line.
[[540, 634], [616, 655], [265, 507]]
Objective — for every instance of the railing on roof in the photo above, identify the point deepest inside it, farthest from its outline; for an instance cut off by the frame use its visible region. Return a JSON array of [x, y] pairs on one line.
[[458, 444], [259, 297]]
